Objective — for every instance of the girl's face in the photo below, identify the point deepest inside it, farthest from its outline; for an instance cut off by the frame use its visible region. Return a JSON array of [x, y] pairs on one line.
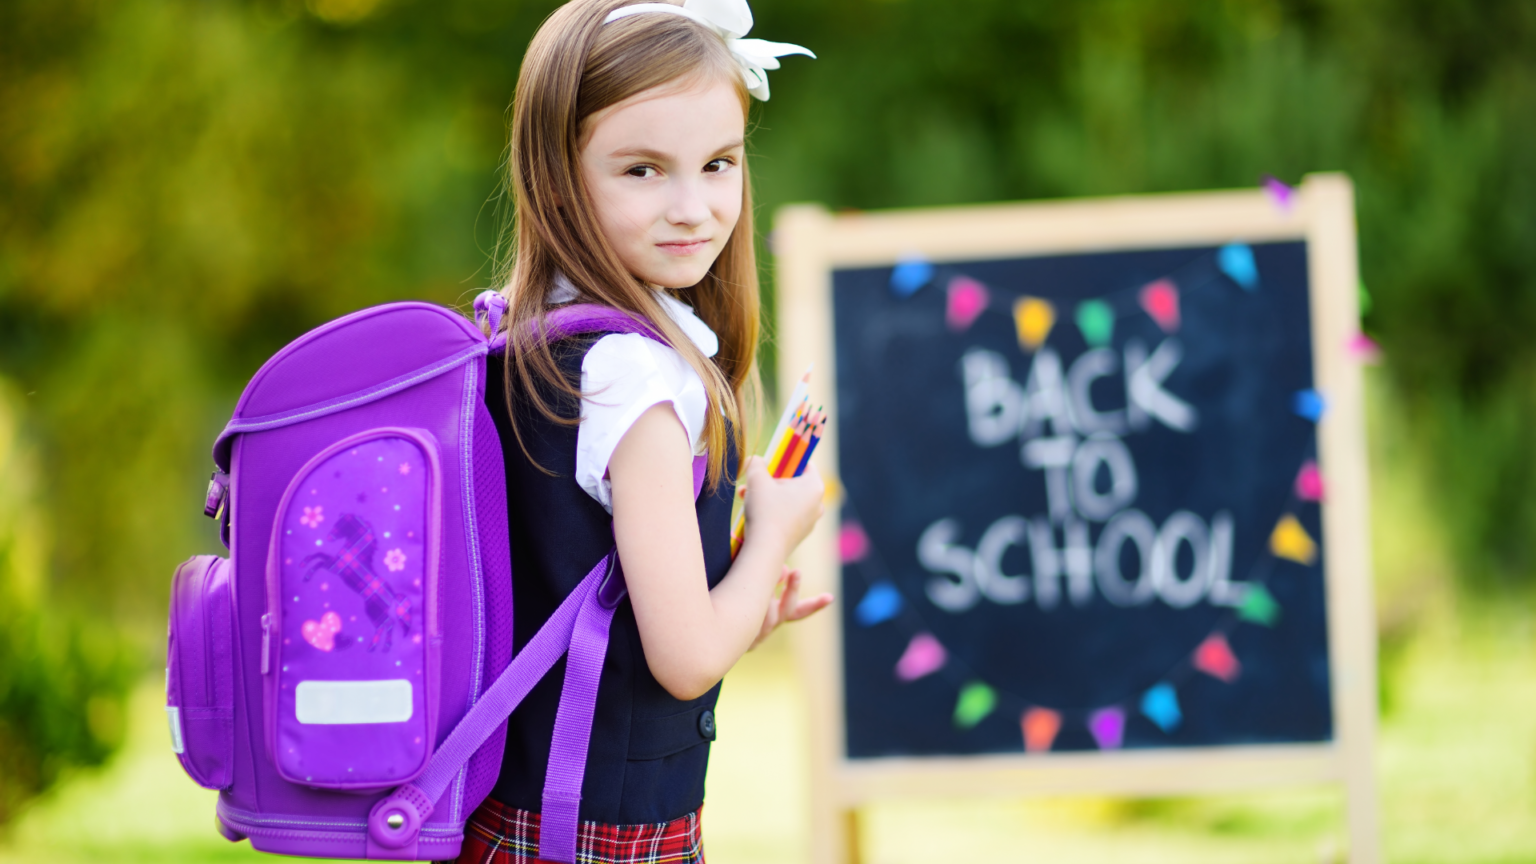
[[664, 171]]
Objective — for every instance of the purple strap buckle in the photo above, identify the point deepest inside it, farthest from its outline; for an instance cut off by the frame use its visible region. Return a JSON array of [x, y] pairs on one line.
[[612, 591], [218, 495], [490, 306], [394, 823]]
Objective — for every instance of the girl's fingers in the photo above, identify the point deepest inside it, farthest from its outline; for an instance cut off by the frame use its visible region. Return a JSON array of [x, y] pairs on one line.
[[810, 607], [789, 601], [757, 466]]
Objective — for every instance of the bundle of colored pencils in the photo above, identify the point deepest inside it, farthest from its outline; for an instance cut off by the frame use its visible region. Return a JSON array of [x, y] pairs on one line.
[[789, 447]]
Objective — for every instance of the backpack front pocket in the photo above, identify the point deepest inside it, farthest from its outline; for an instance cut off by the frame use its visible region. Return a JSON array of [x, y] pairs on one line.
[[200, 671], [350, 639]]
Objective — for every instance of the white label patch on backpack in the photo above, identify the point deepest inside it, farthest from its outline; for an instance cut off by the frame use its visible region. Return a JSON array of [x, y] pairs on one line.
[[347, 702], [173, 715]]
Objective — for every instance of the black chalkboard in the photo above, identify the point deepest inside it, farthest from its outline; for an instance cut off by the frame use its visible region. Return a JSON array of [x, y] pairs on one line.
[[1200, 455]]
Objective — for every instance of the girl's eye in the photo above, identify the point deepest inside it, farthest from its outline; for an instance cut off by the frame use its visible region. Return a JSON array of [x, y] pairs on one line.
[[717, 165], [641, 171]]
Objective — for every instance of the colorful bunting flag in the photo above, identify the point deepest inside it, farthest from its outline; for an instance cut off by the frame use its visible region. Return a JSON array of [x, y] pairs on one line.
[[1363, 349], [1161, 706], [1259, 606], [1283, 195], [976, 701], [909, 275], [1108, 727], [1309, 404], [852, 542], [1040, 727], [1097, 321], [1236, 260], [1161, 301], [924, 656], [1291, 541], [1309, 482], [1033, 318], [1214, 657], [881, 602], [966, 299], [833, 490]]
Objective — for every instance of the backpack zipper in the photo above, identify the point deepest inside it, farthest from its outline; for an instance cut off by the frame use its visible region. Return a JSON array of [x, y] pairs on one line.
[[266, 642]]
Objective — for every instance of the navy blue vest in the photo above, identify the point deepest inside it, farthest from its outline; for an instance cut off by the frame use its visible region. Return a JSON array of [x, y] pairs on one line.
[[649, 751]]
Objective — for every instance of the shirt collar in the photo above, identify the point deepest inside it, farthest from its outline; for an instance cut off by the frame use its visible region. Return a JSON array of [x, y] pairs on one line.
[[563, 291]]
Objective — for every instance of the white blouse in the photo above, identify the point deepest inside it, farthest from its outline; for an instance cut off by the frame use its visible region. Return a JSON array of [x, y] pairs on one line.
[[622, 376]]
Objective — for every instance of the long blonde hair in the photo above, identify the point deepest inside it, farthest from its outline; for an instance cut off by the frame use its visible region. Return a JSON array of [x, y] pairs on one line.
[[575, 67]]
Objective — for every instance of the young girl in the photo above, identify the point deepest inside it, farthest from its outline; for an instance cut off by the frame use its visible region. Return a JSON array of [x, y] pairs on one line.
[[629, 175]]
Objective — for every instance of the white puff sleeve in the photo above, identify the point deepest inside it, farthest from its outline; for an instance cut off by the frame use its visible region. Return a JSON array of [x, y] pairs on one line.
[[622, 376]]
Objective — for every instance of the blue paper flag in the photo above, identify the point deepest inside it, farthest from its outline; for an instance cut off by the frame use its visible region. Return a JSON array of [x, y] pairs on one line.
[[1236, 260], [880, 603], [1161, 705], [910, 275], [1309, 404]]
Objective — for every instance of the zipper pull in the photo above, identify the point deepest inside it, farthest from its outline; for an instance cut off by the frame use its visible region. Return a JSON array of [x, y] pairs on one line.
[[266, 642]]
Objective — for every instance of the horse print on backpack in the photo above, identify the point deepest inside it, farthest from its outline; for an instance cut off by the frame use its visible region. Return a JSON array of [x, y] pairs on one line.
[[354, 565]]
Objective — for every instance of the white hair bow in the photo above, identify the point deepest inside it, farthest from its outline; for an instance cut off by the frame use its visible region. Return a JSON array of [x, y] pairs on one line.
[[731, 19]]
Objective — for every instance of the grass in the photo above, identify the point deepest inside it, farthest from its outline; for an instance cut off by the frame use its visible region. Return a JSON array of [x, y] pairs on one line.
[[1457, 767], [1456, 758]]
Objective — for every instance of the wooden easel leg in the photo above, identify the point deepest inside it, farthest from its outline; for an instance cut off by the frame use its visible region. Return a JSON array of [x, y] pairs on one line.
[[834, 833], [851, 837], [1361, 814]]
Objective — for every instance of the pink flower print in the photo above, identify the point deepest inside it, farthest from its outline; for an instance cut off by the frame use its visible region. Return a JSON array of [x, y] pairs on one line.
[[405, 467], [312, 516], [394, 559]]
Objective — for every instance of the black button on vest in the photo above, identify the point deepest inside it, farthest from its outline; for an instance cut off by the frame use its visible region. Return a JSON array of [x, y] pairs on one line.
[[649, 751]]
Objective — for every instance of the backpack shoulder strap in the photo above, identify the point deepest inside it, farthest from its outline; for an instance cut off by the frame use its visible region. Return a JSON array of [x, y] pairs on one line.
[[579, 625], [562, 322]]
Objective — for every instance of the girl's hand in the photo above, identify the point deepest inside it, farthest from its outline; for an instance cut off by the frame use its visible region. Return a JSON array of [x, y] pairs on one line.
[[789, 607], [782, 511]]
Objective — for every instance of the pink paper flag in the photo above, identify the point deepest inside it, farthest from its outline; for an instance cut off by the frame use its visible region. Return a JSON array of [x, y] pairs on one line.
[[1214, 657], [1108, 727], [852, 542], [1309, 482], [1363, 349], [924, 656], [1040, 727], [1161, 300], [967, 300], [1283, 195]]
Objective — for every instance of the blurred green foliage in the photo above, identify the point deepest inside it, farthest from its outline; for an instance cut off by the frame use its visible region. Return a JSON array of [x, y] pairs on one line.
[[63, 677], [185, 185]]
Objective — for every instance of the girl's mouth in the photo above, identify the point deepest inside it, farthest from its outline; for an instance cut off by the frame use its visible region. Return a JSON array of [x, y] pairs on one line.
[[682, 247]]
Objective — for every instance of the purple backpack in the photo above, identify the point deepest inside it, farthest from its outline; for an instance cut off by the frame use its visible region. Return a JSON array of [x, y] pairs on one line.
[[344, 677]]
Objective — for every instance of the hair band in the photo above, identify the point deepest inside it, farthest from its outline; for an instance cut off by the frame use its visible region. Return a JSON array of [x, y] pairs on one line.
[[732, 19]]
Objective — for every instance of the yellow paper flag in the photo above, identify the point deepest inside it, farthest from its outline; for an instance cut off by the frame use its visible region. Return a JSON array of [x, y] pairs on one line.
[[832, 491], [1034, 319], [1292, 541]]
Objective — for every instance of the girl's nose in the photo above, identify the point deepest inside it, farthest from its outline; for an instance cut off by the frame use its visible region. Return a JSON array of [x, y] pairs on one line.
[[688, 206]]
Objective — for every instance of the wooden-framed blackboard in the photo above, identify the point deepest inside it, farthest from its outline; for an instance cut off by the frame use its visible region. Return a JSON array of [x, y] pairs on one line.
[[1101, 519]]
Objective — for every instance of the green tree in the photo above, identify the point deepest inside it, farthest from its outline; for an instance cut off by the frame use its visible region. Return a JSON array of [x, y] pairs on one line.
[[185, 185]]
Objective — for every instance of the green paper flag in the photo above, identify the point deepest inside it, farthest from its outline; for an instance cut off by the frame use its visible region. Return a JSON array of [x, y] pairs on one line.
[[1259, 606], [1097, 321], [976, 701]]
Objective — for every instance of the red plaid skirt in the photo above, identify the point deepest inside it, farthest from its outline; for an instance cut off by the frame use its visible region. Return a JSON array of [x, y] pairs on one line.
[[498, 834]]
